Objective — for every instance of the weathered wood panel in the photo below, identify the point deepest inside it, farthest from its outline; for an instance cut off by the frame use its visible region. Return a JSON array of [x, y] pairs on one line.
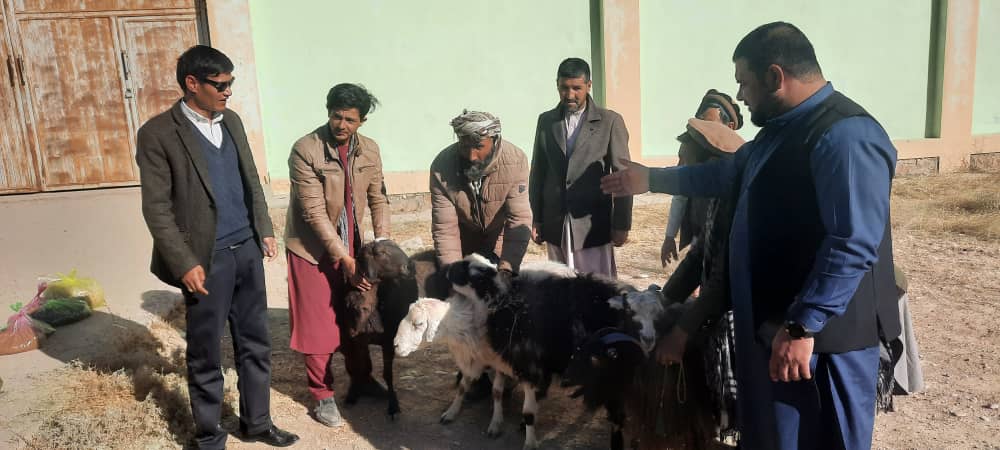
[[152, 47], [37, 6], [80, 117], [17, 164]]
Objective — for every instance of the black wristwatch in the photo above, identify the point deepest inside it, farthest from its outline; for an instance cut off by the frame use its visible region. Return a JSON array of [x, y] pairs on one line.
[[796, 331]]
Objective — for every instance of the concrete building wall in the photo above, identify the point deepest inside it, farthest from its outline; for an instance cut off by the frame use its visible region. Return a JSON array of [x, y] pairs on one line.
[[687, 47], [986, 109], [229, 30], [425, 61]]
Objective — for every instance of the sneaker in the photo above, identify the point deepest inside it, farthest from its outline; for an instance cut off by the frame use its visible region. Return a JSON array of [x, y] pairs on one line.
[[326, 413]]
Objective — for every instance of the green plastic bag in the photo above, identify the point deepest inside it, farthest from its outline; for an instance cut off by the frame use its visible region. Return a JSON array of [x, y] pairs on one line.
[[70, 285], [62, 311]]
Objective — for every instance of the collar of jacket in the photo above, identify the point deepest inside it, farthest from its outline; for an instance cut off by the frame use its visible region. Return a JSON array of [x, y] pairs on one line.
[[356, 146]]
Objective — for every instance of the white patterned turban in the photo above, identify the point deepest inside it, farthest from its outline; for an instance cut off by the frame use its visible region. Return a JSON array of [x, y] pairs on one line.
[[476, 124]]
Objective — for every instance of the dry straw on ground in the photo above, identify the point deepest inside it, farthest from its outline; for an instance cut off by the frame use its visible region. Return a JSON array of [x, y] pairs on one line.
[[964, 203]]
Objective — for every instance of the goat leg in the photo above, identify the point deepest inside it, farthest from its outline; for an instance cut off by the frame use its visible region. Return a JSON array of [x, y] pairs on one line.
[[616, 415], [387, 357], [496, 422], [463, 386], [529, 411]]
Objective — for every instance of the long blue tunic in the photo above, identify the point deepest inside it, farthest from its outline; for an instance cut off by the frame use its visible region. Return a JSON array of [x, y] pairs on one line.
[[851, 168]]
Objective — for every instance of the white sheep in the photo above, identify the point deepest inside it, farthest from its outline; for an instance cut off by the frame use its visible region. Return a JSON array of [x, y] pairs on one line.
[[459, 323]]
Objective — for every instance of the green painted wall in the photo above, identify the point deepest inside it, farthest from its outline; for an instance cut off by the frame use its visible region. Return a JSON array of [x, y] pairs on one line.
[[424, 60], [986, 107], [875, 51]]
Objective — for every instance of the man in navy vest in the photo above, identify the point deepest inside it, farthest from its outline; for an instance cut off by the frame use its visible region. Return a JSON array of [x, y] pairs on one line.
[[810, 253], [204, 206]]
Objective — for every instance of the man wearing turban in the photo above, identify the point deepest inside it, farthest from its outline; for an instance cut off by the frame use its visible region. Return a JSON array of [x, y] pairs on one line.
[[479, 194]]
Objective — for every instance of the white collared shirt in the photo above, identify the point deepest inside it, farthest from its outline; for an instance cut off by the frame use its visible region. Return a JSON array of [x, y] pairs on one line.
[[211, 129], [572, 120]]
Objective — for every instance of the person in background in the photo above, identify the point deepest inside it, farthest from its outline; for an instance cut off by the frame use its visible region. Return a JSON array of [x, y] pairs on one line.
[[576, 143], [687, 216]]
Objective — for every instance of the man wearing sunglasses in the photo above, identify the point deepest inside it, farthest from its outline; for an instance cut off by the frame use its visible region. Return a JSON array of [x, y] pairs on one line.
[[204, 206]]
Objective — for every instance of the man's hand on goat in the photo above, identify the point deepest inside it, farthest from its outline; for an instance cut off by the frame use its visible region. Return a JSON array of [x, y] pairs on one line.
[[349, 266]]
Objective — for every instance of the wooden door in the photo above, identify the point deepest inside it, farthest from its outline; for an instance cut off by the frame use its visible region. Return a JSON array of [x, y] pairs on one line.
[[78, 101], [18, 171], [151, 47]]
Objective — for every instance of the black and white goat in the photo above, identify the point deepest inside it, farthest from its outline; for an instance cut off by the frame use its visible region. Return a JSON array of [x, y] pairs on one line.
[[373, 316], [460, 323], [535, 325]]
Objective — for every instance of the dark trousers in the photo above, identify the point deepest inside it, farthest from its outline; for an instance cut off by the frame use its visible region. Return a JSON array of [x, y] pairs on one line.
[[236, 295]]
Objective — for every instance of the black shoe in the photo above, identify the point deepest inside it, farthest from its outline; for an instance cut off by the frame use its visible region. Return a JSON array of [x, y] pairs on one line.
[[274, 436]]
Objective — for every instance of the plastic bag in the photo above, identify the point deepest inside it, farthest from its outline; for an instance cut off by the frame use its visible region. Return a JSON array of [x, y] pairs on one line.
[[62, 311], [69, 285], [23, 333]]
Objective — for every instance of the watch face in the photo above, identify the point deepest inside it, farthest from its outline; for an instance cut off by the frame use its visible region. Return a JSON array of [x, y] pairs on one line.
[[795, 330]]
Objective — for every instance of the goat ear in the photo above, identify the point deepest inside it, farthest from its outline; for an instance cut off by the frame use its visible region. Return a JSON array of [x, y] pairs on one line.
[[432, 328]]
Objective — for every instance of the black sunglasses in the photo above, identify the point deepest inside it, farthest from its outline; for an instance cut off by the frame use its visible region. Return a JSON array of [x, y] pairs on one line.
[[220, 86]]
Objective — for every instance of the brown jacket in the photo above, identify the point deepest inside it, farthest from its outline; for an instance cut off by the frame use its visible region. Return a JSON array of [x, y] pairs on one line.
[[559, 185], [501, 225], [316, 200], [177, 199]]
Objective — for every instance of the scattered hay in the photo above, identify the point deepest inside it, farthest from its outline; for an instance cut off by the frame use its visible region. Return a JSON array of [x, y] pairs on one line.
[[134, 396], [964, 203], [99, 410]]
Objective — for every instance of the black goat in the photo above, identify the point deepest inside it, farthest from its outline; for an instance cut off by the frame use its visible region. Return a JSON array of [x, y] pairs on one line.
[[603, 368], [374, 316]]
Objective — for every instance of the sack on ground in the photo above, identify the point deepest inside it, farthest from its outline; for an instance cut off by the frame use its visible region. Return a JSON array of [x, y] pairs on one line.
[[70, 285], [23, 333], [62, 311]]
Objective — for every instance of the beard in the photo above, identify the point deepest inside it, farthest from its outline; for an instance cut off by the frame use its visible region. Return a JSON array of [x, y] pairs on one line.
[[767, 109], [475, 170]]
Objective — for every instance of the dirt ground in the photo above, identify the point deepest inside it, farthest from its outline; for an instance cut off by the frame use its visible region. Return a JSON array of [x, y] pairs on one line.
[[129, 392]]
